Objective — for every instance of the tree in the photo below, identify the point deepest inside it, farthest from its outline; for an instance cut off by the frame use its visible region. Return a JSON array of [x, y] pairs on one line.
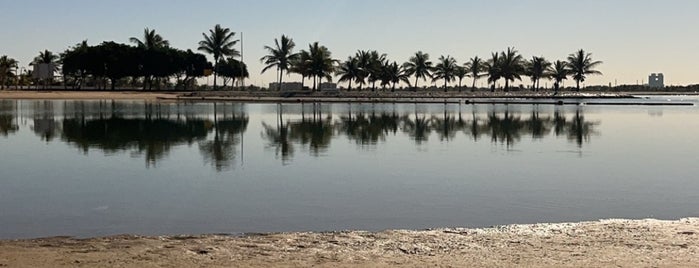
[[475, 68], [536, 69], [581, 65], [445, 70], [231, 68], [460, 73], [419, 65], [219, 43], [302, 65], [511, 66], [558, 72], [321, 63], [349, 70], [151, 46], [74, 68], [280, 56], [151, 40], [393, 74], [47, 57], [375, 67], [492, 67], [8, 66]]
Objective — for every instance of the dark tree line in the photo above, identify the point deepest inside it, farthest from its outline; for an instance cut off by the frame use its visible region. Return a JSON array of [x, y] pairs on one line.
[[110, 63]]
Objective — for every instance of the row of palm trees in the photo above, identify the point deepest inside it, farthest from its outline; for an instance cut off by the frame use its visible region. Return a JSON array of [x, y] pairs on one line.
[[370, 67]]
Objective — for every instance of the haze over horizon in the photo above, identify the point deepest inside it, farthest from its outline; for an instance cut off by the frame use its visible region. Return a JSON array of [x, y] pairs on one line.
[[634, 38]]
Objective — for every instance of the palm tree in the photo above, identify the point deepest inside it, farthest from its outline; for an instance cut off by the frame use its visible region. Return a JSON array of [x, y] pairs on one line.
[[558, 72], [492, 67], [47, 57], [511, 66], [219, 43], [150, 40], [363, 59], [536, 69], [394, 73], [322, 65], [280, 56], [475, 69], [419, 65], [302, 65], [445, 69], [460, 73], [7, 68], [581, 65], [374, 66], [349, 70]]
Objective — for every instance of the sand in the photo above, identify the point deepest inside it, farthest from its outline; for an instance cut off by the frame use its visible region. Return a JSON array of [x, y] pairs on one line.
[[606, 243], [84, 95]]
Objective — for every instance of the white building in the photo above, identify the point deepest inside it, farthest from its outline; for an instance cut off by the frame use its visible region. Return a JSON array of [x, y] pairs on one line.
[[656, 80]]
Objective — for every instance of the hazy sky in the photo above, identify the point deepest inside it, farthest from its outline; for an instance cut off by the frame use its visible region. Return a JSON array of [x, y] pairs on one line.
[[632, 37]]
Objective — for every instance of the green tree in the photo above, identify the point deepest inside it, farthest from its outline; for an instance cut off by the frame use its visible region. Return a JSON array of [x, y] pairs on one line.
[[444, 70], [280, 56], [302, 65], [321, 63], [581, 65], [219, 43], [232, 69], [374, 67], [151, 44], [511, 66], [151, 40], [393, 74], [460, 73], [492, 67], [536, 69], [475, 68], [348, 71], [419, 65], [558, 72], [8, 66]]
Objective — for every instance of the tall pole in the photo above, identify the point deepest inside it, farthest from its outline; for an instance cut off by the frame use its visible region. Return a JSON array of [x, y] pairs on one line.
[[242, 63]]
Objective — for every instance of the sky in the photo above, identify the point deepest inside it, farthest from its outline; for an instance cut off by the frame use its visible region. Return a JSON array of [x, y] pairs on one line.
[[632, 37]]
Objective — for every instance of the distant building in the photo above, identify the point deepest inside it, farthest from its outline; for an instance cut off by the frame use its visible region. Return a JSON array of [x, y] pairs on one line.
[[286, 86], [328, 86], [656, 80]]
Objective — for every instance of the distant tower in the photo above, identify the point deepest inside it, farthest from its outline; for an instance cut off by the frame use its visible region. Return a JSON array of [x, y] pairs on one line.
[[656, 80]]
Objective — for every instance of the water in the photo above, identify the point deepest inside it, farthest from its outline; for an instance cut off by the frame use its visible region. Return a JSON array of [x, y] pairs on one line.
[[93, 168]]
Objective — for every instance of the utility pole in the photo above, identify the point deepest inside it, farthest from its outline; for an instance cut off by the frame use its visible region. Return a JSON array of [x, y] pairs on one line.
[[242, 63]]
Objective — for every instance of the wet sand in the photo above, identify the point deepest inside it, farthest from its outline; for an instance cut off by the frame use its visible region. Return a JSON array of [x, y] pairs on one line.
[[606, 243]]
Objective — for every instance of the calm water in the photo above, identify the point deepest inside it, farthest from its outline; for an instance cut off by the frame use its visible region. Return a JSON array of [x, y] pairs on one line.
[[91, 168]]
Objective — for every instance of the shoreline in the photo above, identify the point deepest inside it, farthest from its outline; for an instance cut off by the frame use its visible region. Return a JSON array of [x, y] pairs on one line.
[[613, 242], [543, 98]]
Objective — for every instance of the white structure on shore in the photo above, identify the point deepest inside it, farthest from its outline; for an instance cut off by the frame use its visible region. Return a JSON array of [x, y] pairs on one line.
[[286, 86], [656, 80]]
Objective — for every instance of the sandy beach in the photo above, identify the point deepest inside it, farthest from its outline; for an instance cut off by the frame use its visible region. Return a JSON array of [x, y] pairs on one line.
[[605, 243]]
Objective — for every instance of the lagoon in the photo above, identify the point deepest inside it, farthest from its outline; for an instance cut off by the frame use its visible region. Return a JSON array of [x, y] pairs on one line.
[[95, 168]]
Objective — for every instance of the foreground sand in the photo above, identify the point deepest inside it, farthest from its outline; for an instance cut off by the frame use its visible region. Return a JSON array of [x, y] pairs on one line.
[[606, 243]]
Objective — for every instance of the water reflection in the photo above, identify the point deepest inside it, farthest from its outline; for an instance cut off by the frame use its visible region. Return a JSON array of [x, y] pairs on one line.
[[152, 130]]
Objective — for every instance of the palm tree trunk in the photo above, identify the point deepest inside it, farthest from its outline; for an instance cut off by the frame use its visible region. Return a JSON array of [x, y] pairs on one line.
[[350, 85], [460, 84], [416, 83], [577, 85], [281, 72], [445, 85], [303, 80], [393, 88], [507, 85], [314, 83], [473, 87], [534, 85]]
